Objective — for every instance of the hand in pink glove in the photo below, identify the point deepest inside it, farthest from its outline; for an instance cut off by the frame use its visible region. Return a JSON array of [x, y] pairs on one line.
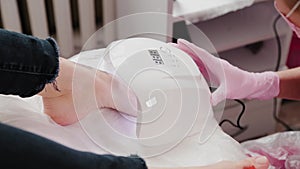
[[233, 82]]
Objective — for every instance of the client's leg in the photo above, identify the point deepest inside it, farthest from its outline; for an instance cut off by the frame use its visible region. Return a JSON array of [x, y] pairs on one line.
[[20, 149]]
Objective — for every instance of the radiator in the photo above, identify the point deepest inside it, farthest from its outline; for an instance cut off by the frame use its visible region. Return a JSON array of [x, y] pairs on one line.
[[70, 22]]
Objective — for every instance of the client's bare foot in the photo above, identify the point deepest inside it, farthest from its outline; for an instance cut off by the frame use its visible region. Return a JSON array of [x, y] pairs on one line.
[[248, 163], [78, 95]]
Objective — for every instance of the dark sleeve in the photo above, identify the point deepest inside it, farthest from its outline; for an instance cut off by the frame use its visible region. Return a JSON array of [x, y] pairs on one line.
[[21, 149], [26, 63]]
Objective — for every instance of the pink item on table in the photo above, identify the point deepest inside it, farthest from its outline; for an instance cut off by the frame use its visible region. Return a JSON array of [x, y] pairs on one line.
[[282, 149]]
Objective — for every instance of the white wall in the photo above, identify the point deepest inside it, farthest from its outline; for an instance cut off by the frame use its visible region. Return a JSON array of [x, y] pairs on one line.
[[142, 21]]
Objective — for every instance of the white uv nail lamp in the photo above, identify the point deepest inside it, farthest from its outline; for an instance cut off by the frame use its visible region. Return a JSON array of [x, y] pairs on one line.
[[173, 97]]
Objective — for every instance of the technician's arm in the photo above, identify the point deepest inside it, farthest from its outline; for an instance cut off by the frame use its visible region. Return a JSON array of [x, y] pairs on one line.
[[289, 84], [289, 79]]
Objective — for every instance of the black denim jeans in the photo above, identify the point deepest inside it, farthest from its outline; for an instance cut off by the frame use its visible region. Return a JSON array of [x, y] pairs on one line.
[[26, 65], [23, 150]]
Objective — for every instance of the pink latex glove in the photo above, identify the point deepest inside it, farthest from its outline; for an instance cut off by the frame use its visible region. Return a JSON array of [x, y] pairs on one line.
[[233, 82]]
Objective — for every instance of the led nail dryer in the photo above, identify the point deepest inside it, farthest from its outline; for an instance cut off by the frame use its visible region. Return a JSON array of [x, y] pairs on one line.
[[175, 124], [173, 97]]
